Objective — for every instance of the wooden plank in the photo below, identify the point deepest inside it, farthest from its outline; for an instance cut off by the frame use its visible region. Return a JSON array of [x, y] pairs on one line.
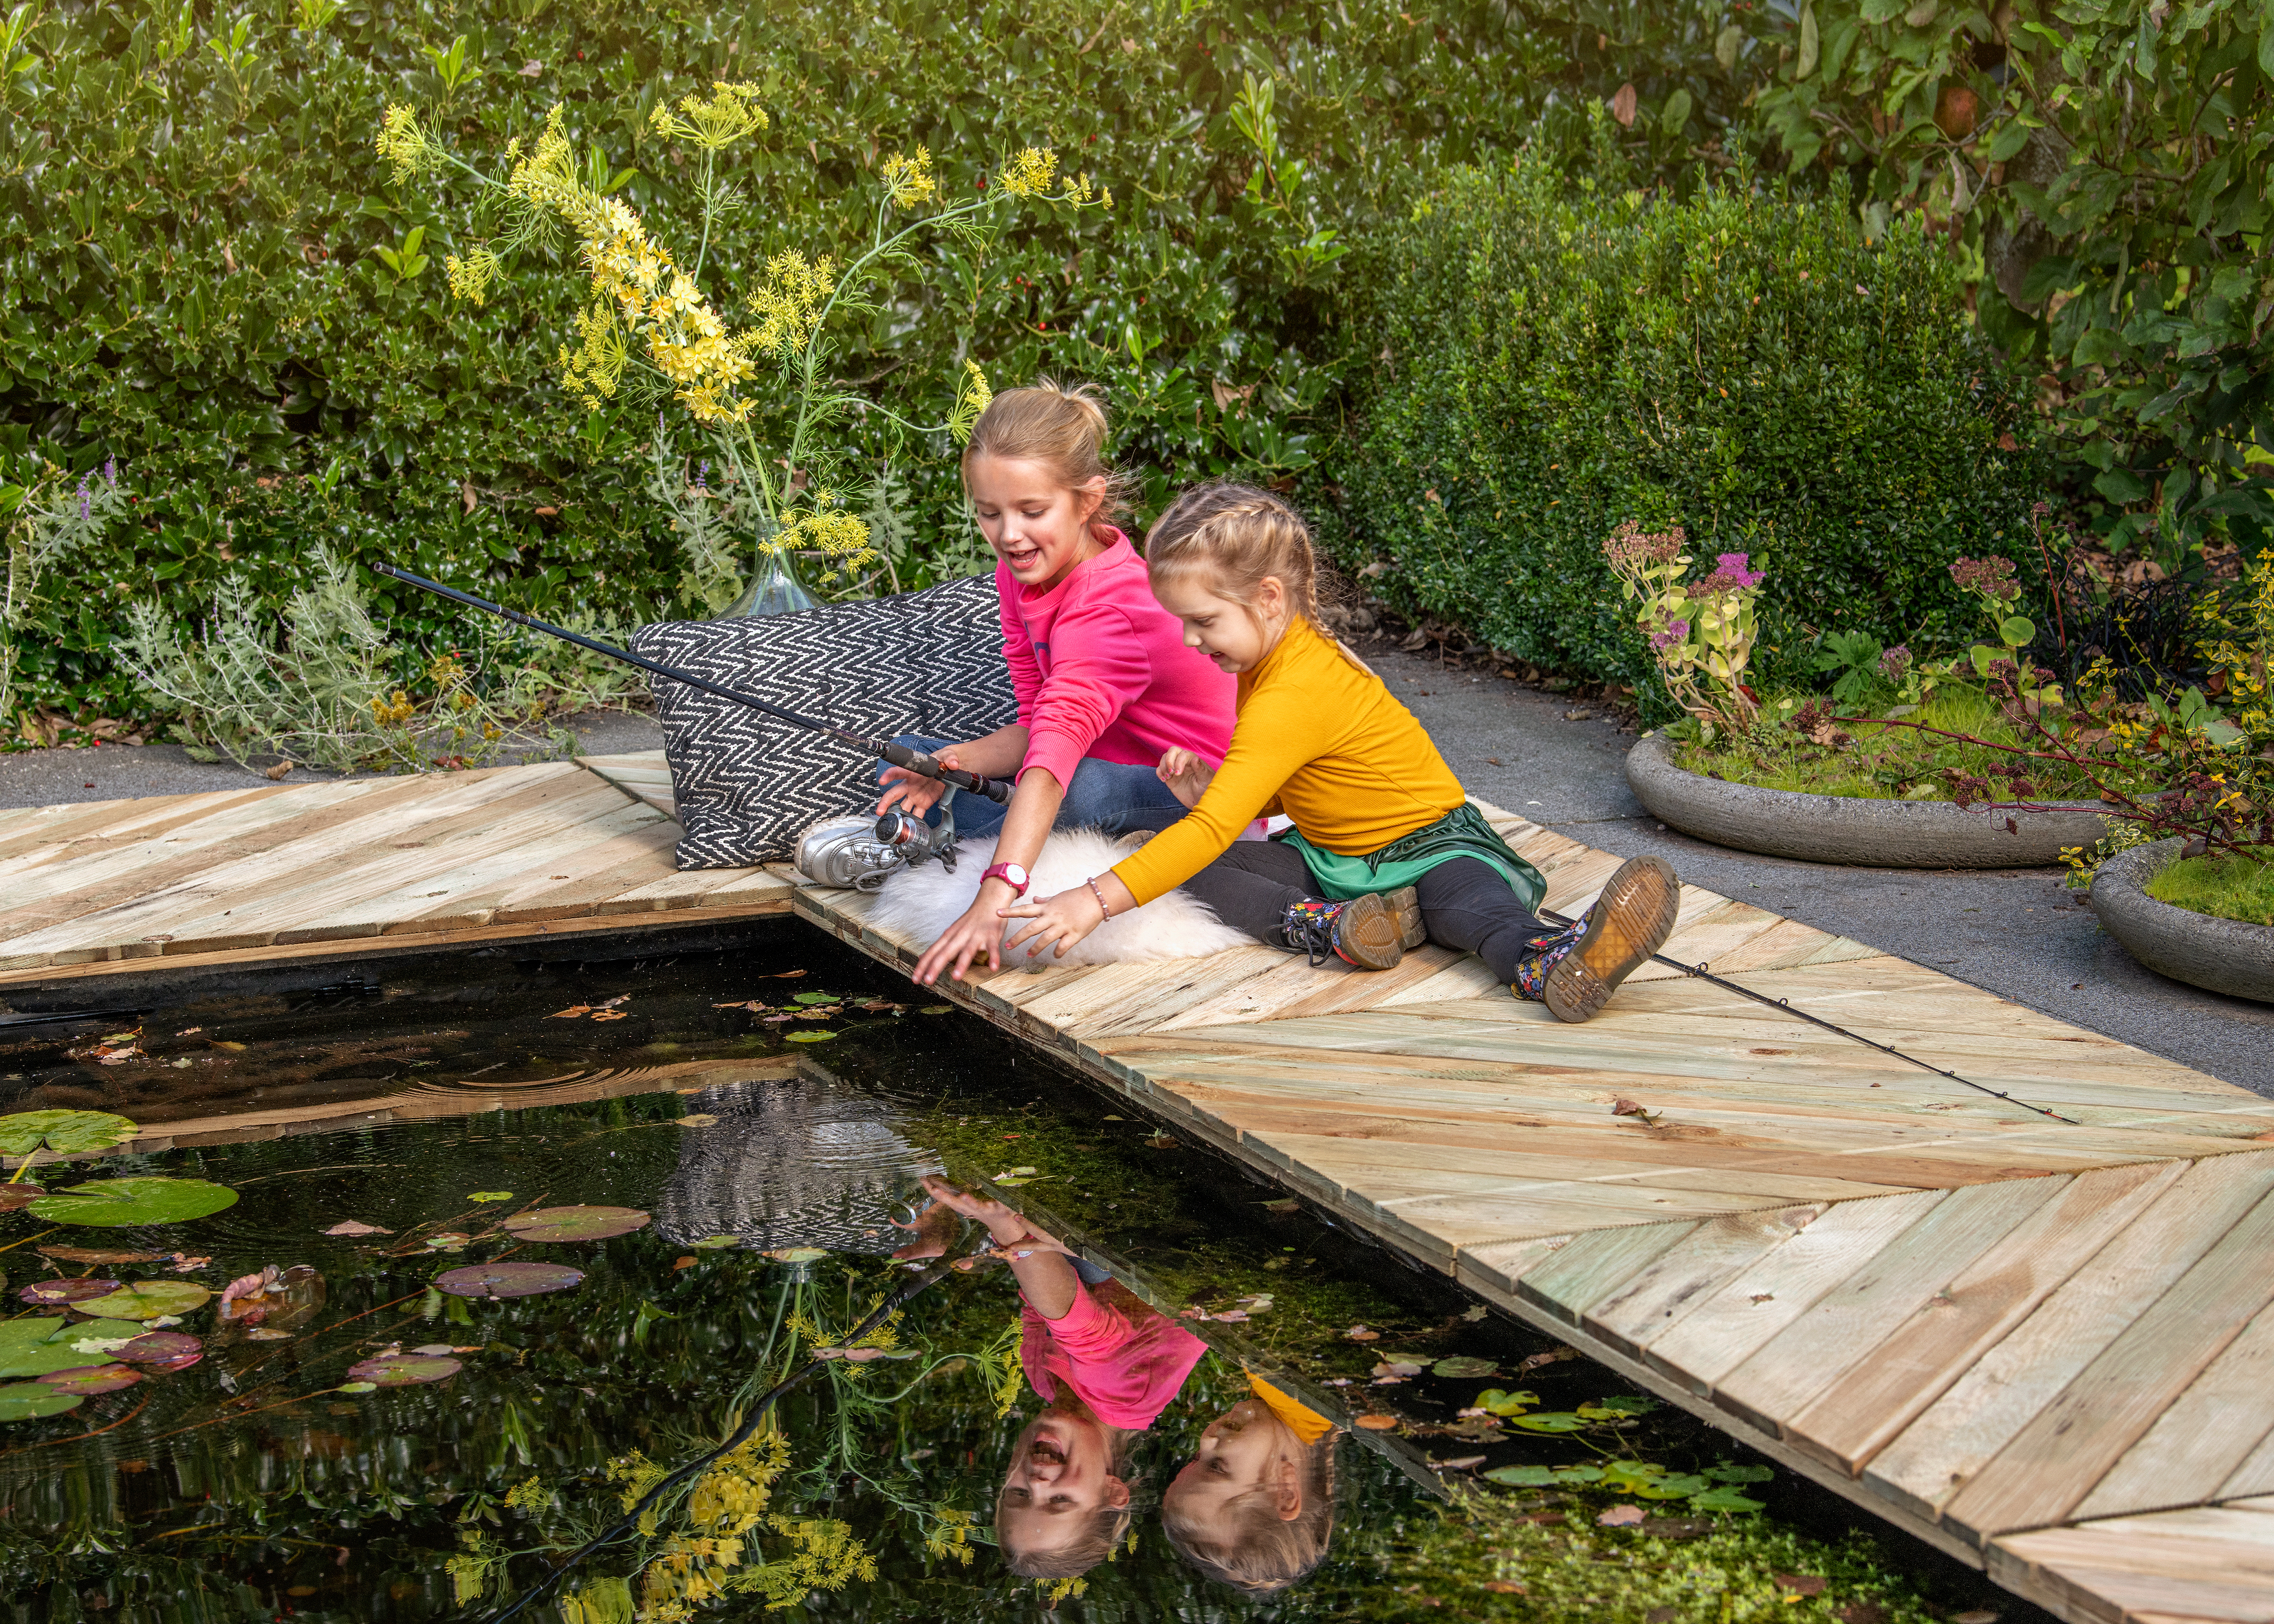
[[2210, 1562], [2013, 1381], [1769, 1293], [1646, 1305], [1497, 1265], [1913, 1364], [2052, 1463], [1846, 1325], [1595, 1265], [2209, 1432]]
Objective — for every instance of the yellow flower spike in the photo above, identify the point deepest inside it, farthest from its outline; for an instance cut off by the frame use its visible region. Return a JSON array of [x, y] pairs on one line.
[[1028, 175], [972, 397], [404, 144], [909, 180]]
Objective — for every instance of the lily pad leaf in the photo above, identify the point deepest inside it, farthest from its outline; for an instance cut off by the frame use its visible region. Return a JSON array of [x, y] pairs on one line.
[[1522, 1476], [1502, 1403], [491, 1195], [34, 1347], [92, 1379], [936, 1008], [403, 1370], [356, 1386], [28, 1400], [1678, 1487], [501, 1280], [161, 1350], [114, 1203], [146, 1299], [1725, 1472], [1462, 1366], [712, 1242], [1626, 1404], [808, 1037], [48, 1293], [64, 1132], [1722, 1497], [575, 1223], [1550, 1421], [13, 1196], [814, 998]]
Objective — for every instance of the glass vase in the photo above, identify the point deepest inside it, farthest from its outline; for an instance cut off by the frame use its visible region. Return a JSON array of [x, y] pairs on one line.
[[774, 589]]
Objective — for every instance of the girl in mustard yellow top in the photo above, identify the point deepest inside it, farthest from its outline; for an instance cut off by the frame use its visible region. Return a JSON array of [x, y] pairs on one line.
[[1386, 849]]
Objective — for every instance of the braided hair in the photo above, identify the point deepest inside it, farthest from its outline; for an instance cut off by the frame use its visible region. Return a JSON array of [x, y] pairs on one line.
[[1238, 537]]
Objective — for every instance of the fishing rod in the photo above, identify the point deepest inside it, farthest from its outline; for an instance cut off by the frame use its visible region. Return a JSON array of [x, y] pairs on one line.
[[899, 755], [1699, 971], [735, 1440]]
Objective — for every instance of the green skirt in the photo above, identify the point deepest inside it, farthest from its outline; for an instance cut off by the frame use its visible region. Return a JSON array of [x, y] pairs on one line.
[[1462, 832]]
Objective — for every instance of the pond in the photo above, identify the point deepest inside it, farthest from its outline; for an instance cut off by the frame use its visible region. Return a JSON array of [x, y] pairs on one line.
[[391, 1379]]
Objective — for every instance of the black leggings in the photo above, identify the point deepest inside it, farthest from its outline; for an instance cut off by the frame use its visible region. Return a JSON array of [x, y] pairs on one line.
[[1466, 904]]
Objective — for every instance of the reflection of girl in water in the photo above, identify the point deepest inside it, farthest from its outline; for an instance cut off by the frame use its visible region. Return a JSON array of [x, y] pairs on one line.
[[1255, 1506], [1105, 1365]]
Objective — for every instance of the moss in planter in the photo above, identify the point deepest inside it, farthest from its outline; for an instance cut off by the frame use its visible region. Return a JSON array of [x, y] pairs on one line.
[[2224, 887], [1879, 762]]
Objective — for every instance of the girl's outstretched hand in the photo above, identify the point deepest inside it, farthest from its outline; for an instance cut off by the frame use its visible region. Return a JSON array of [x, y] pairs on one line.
[[912, 791], [978, 933], [1059, 921], [1186, 775]]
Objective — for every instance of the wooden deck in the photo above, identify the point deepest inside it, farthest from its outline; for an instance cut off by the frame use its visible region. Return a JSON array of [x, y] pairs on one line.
[[2044, 1345]]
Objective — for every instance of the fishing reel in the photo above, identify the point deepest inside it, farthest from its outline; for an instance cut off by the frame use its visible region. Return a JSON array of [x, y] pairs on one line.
[[860, 854]]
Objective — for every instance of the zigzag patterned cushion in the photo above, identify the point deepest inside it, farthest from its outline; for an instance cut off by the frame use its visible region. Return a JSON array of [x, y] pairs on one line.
[[928, 661]]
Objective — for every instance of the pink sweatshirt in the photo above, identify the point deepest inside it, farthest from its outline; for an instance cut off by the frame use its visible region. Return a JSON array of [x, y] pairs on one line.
[[1123, 1358], [1101, 669]]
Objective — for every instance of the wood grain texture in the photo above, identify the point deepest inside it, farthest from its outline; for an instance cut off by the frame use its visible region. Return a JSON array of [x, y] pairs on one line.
[[2213, 1562]]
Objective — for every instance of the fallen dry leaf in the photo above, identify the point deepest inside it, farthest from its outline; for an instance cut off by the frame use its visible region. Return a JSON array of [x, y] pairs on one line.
[[1509, 1587], [1376, 1423], [571, 1012], [680, 1263], [607, 1015], [1621, 1517], [350, 1227], [276, 773], [1466, 1463], [1359, 1333]]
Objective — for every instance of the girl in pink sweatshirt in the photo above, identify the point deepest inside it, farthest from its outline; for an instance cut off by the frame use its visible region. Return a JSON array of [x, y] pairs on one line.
[[1105, 681]]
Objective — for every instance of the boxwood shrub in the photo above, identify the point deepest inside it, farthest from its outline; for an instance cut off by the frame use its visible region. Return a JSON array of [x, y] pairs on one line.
[[1547, 360]]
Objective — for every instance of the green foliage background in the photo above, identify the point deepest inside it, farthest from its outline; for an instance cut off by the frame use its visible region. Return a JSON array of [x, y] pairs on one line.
[[1554, 361]]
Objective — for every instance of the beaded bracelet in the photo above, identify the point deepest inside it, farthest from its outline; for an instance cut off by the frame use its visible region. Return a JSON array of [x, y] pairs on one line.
[[1092, 884]]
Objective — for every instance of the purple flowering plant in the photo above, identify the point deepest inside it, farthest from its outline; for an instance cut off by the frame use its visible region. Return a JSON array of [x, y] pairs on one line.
[[1700, 632]]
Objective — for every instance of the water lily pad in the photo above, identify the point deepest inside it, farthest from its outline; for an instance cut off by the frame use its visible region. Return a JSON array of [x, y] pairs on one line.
[[161, 1349], [575, 1223], [92, 1380], [1522, 1476], [113, 1203], [27, 1400], [491, 1195], [33, 1347], [64, 1132], [403, 1370], [814, 998], [498, 1280], [13, 1196], [48, 1293], [712, 1242], [146, 1299], [808, 1037], [356, 1386], [1550, 1421], [1463, 1367]]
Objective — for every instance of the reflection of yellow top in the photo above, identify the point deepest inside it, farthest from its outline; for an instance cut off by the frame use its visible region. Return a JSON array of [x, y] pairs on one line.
[[1307, 1425]]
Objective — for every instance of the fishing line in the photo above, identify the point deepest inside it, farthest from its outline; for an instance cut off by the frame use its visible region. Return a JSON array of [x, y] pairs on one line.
[[899, 755], [740, 1435], [1782, 1006]]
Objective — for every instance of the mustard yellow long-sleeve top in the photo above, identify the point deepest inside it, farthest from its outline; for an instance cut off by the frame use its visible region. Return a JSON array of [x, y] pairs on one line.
[[1318, 739]]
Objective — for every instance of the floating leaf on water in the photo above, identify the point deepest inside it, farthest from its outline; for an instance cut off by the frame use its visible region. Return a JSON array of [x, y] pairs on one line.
[[609, 1015], [935, 1008], [491, 1195], [797, 1254], [712, 1243], [1376, 1423], [47, 1293], [180, 1362], [1621, 1517], [97, 1254], [264, 1334], [1723, 1497], [699, 1119], [575, 1223], [571, 1012], [1522, 1476], [448, 1240], [1724, 1472], [814, 998], [147, 1300], [34, 1346], [503, 1280], [350, 1227], [1634, 1404], [784, 976], [1500, 1403], [1396, 1367], [356, 1386], [91, 1379], [64, 1132], [1359, 1333], [225, 1043], [1678, 1486], [403, 1370], [28, 1400], [13, 1196], [114, 1203], [808, 1037], [1463, 1367], [161, 1349], [1550, 1421]]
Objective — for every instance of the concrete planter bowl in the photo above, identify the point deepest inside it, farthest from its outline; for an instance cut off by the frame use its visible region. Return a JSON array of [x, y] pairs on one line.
[[1835, 829], [2223, 955]]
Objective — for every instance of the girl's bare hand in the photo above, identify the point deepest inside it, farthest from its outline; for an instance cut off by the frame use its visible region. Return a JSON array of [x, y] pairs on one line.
[[978, 933], [1186, 775], [1058, 921], [912, 791], [1003, 1223]]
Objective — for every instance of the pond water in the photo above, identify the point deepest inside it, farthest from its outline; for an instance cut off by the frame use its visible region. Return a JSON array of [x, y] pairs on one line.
[[348, 1439]]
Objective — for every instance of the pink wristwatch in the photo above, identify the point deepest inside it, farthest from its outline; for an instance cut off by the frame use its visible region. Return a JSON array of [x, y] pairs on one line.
[[1010, 874]]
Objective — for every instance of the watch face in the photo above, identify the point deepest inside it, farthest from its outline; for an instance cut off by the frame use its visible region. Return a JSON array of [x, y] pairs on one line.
[[1015, 874]]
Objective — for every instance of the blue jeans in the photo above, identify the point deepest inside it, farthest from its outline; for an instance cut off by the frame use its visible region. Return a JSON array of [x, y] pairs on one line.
[[1101, 795]]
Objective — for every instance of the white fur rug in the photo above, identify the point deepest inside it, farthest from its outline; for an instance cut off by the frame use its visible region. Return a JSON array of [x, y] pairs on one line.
[[925, 901]]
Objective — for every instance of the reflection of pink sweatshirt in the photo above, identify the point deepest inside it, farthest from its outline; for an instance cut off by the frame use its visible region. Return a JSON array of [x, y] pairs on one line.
[[1121, 1357], [1101, 669]]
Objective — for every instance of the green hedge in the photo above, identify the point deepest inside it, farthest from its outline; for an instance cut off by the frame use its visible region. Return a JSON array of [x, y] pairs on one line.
[[1550, 359], [191, 283]]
